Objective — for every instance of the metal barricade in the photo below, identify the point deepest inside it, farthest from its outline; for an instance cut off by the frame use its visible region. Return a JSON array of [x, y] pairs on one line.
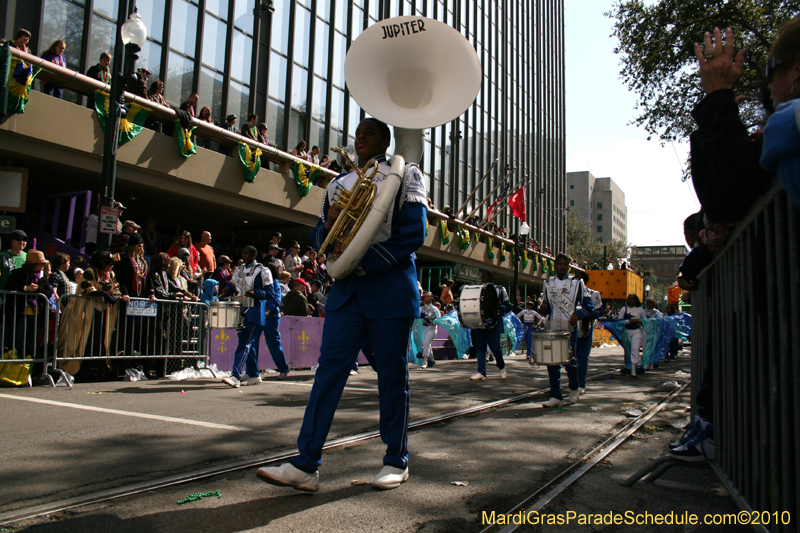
[[25, 337], [97, 328], [746, 338]]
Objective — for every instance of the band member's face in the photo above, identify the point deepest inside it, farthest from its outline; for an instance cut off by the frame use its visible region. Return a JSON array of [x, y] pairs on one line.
[[631, 301], [486, 278], [428, 299], [247, 256], [562, 266], [369, 142]]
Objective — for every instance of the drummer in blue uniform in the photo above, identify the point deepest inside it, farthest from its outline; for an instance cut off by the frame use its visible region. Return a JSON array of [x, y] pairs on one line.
[[531, 320], [490, 336], [356, 318], [562, 295]]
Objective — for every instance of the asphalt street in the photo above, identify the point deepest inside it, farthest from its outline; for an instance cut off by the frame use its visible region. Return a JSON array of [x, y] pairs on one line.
[[61, 443]]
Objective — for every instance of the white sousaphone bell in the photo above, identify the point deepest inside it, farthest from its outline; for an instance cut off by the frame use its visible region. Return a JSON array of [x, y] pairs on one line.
[[412, 73]]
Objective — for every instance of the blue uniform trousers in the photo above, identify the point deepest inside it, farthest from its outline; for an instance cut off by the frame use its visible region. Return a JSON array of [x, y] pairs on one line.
[[554, 373], [247, 350], [346, 331], [529, 338], [582, 350], [491, 337]]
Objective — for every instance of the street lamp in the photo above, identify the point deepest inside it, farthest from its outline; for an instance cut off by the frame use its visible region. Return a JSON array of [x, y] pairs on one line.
[[132, 35], [524, 230]]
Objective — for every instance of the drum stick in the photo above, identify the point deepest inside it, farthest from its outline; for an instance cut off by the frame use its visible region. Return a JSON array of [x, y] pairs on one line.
[[486, 175]]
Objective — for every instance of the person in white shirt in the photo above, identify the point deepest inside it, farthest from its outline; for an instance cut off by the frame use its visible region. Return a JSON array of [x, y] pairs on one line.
[[429, 313], [634, 318], [651, 311], [530, 319]]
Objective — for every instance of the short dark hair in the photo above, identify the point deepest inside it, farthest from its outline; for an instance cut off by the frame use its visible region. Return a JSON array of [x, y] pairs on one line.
[[386, 133], [101, 259], [250, 248], [160, 261], [565, 256], [252, 116], [315, 147], [316, 282], [22, 32], [105, 55], [636, 298], [59, 259]]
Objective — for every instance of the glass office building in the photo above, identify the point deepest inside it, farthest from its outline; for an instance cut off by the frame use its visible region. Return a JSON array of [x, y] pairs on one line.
[[284, 60]]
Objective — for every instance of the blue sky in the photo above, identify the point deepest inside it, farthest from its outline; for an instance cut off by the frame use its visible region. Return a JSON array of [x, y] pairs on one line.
[[599, 109]]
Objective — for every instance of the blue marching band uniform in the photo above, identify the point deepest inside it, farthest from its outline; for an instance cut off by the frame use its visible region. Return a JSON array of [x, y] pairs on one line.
[[563, 296], [583, 345], [264, 317], [356, 320], [481, 338], [531, 320]]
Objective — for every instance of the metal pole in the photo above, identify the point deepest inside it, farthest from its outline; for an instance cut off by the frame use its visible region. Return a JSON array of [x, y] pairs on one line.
[[508, 175], [115, 103], [501, 209], [486, 175], [514, 300]]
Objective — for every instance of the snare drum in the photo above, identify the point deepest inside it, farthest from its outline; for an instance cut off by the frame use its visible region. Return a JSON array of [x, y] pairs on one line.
[[551, 347], [245, 301], [224, 315], [478, 306]]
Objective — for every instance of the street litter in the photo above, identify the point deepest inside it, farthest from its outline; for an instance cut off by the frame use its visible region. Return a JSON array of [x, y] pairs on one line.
[[358, 482], [209, 372], [633, 412], [594, 408], [460, 483], [134, 374], [672, 384], [199, 496]]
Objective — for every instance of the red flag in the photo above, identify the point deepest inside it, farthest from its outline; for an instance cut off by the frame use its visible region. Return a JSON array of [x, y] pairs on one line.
[[517, 203]]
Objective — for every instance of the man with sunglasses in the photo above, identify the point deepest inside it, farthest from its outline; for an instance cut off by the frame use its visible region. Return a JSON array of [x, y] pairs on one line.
[[14, 257]]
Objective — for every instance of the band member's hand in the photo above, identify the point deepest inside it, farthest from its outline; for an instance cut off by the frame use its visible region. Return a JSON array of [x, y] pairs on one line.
[[249, 294], [333, 214], [574, 319]]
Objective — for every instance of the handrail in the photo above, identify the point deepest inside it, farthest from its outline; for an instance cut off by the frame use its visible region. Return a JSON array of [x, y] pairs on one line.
[[75, 80]]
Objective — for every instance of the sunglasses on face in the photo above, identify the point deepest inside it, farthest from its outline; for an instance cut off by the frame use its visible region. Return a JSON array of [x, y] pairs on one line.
[[772, 64]]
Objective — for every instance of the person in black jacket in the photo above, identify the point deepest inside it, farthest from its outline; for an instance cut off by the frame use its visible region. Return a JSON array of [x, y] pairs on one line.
[[26, 313]]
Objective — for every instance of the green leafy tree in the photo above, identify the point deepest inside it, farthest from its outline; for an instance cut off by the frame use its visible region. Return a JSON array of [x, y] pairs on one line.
[[584, 246], [656, 48]]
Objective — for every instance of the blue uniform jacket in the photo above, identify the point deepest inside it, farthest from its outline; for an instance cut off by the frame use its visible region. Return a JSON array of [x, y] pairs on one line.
[[388, 288], [267, 298]]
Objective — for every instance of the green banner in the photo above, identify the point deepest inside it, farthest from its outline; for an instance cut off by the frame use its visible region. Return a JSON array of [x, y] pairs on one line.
[[186, 146], [444, 231], [490, 247], [130, 126], [463, 239], [251, 161], [20, 78], [304, 177]]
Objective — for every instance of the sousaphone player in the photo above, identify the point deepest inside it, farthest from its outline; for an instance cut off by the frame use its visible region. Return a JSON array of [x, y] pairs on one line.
[[398, 80]]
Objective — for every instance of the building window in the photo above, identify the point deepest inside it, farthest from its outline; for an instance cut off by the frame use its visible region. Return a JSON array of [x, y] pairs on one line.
[[599, 205], [572, 186], [599, 229], [572, 202], [600, 216]]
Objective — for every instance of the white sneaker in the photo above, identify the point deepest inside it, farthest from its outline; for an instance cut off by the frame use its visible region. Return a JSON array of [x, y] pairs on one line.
[[425, 364], [503, 373], [232, 381], [390, 477], [250, 380], [553, 402], [288, 475], [354, 372], [574, 395], [582, 390], [477, 376]]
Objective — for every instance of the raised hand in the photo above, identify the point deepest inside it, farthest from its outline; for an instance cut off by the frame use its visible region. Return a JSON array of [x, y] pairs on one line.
[[718, 69]]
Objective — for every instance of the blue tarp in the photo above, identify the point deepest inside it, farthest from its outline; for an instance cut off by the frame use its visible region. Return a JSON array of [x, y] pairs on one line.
[[461, 337], [659, 331]]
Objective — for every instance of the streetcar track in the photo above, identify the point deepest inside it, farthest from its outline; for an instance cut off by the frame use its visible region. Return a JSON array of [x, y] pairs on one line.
[[553, 488], [137, 488]]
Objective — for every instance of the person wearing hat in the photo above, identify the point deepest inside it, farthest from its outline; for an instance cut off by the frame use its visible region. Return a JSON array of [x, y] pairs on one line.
[[131, 269], [186, 272], [276, 238], [120, 241], [25, 311], [223, 274], [295, 303], [273, 257], [14, 257]]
